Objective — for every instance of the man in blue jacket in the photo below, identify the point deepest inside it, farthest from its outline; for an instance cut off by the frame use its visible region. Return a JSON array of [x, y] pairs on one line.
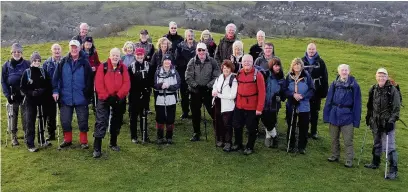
[[343, 111], [11, 74], [50, 108], [72, 84]]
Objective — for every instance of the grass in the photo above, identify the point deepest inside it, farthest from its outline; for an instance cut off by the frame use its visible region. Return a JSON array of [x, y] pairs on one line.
[[188, 166]]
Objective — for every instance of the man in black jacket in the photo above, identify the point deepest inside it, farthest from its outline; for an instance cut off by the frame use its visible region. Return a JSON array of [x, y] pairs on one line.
[[318, 71], [174, 38], [145, 44]]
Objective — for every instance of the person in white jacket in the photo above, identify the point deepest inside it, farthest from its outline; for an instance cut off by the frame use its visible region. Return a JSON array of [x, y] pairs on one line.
[[224, 93]]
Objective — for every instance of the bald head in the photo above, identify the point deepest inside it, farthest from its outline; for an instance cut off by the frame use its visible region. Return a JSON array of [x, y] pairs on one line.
[[56, 51], [311, 49]]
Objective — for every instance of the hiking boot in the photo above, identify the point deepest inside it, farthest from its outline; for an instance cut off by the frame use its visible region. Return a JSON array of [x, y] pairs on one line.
[[227, 147], [169, 141], [293, 150], [135, 141], [146, 140], [65, 144], [236, 147], [84, 146], [47, 144], [14, 141], [51, 137], [114, 148], [333, 159], [393, 174], [196, 137], [160, 141], [314, 136], [302, 151], [32, 149], [375, 164], [268, 141], [96, 154], [275, 142], [248, 151], [348, 164], [219, 144], [184, 116]]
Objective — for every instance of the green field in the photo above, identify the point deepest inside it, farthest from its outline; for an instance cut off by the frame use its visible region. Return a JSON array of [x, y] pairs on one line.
[[199, 166]]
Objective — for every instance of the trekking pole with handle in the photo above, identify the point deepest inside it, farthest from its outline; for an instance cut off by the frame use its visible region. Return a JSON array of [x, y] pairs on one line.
[[362, 147], [144, 125], [9, 121], [108, 131], [39, 124], [290, 128], [205, 123], [386, 157], [58, 129]]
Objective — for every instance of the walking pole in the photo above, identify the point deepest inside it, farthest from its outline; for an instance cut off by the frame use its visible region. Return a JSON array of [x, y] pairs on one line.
[[386, 157], [39, 124], [362, 147], [108, 130], [144, 125], [58, 129], [205, 123], [9, 121], [290, 128]]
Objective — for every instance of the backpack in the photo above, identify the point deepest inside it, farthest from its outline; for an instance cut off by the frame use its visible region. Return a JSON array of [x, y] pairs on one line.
[[29, 74], [105, 68], [371, 95], [254, 81]]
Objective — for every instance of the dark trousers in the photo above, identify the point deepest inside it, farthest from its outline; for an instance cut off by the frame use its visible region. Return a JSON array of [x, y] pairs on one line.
[[197, 99], [18, 104], [138, 112], [106, 113], [31, 110], [269, 119], [314, 114], [50, 114], [300, 120], [222, 123], [165, 115], [184, 92], [249, 119], [82, 113]]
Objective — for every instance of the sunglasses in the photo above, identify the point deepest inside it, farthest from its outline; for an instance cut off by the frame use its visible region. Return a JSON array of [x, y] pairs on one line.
[[200, 50]]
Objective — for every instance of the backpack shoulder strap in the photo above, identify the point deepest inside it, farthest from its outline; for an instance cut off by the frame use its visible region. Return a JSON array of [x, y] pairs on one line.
[[42, 72], [105, 68], [28, 74], [231, 80]]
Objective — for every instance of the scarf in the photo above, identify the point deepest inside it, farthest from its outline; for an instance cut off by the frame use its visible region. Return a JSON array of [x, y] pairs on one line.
[[313, 59]]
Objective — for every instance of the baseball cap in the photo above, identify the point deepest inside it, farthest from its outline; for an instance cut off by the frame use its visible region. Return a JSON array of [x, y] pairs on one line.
[[140, 51], [201, 46], [382, 70], [74, 42], [144, 32]]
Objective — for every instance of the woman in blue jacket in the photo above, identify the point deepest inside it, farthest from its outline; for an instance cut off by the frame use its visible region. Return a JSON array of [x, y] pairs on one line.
[[343, 111], [299, 88]]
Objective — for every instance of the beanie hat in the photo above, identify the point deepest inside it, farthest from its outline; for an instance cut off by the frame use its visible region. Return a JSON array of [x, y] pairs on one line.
[[35, 56], [16, 47], [167, 57], [89, 39]]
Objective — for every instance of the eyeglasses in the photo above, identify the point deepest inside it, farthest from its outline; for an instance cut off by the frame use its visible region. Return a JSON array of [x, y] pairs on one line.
[[16, 52], [173, 28], [200, 50]]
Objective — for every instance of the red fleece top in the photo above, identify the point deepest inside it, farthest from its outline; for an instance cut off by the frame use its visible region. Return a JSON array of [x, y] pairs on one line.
[[250, 95], [113, 82], [94, 60]]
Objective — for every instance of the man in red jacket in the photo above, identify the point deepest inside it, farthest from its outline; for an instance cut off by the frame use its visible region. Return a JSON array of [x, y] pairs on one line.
[[249, 104], [112, 85]]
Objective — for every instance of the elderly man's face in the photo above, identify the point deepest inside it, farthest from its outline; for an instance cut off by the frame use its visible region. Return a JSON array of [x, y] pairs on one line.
[[115, 57], [139, 58], [83, 30], [167, 63], [381, 78], [173, 29], [74, 50], [190, 36], [230, 31], [247, 63], [311, 50], [201, 53], [16, 55], [344, 72], [56, 51]]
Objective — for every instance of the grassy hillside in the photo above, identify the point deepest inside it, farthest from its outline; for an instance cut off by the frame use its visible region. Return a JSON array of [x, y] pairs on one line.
[[188, 166]]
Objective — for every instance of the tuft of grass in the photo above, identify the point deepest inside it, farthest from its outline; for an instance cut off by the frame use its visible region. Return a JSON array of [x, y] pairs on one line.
[[199, 166]]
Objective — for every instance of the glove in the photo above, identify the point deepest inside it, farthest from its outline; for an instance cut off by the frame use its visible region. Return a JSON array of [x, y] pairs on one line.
[[112, 99], [389, 127], [278, 99], [9, 99], [368, 120]]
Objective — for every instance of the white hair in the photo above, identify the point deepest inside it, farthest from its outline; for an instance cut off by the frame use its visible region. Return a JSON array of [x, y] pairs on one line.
[[341, 66], [238, 44], [82, 25], [172, 23], [187, 31], [260, 33], [54, 45], [114, 50], [127, 43], [249, 56], [231, 25]]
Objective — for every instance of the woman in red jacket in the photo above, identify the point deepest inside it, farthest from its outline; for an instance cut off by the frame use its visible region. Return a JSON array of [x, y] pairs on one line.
[[112, 85], [90, 50]]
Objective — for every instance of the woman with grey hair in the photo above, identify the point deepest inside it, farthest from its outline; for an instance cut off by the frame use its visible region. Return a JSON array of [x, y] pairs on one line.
[[343, 112], [224, 49], [237, 54], [209, 41]]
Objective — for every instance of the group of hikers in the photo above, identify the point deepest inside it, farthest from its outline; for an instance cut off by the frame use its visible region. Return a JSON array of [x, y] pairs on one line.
[[236, 89]]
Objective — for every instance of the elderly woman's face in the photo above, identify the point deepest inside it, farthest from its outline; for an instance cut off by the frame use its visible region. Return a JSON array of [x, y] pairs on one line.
[[230, 31], [163, 45], [115, 57], [173, 29], [297, 67], [129, 49], [237, 50], [36, 63], [206, 36], [247, 63], [260, 38], [226, 71], [344, 72]]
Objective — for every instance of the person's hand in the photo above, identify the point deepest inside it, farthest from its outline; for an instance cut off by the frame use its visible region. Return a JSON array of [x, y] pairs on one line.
[[389, 127], [258, 112], [165, 86], [214, 93], [55, 96], [93, 69], [278, 99], [297, 96]]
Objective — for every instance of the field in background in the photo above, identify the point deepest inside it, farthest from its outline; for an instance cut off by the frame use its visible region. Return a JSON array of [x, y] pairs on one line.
[[188, 166]]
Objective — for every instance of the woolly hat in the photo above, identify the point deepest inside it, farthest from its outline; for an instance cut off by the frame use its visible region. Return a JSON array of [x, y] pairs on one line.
[[35, 56], [167, 57]]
